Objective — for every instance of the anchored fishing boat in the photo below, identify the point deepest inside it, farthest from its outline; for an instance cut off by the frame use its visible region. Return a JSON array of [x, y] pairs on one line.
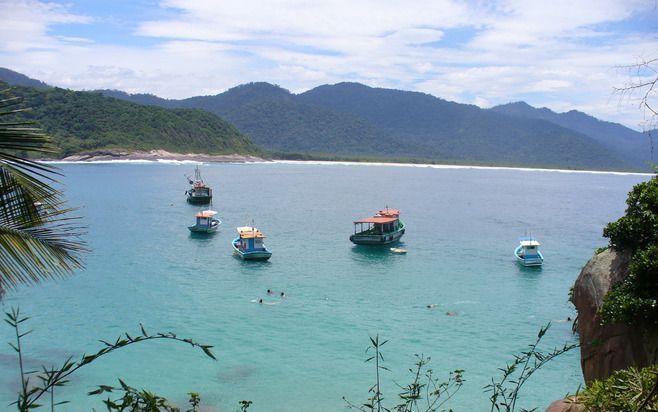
[[249, 244], [199, 193], [527, 252], [205, 222], [383, 228]]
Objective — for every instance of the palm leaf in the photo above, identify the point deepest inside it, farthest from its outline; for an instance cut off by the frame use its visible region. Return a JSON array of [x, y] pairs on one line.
[[39, 237]]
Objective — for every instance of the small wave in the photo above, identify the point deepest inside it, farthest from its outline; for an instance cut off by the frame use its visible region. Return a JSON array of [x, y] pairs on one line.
[[435, 166]]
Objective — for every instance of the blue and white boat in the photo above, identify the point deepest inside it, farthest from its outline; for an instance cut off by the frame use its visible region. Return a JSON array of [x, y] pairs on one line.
[[205, 222], [527, 253], [249, 244]]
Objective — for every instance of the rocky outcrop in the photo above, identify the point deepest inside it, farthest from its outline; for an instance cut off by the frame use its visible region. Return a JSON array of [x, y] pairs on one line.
[[570, 404], [607, 348]]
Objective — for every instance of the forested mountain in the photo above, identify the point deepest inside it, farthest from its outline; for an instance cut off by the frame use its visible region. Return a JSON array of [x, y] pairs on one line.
[[350, 118], [87, 121], [356, 121], [17, 79], [633, 145]]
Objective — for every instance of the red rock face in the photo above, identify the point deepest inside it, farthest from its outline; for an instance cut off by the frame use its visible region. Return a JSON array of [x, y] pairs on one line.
[[605, 349]]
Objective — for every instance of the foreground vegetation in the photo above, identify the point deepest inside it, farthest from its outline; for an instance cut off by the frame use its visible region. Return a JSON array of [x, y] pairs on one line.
[[635, 300]]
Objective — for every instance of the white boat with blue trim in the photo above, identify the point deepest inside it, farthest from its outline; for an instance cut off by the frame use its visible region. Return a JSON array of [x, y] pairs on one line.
[[249, 244], [205, 222], [527, 253]]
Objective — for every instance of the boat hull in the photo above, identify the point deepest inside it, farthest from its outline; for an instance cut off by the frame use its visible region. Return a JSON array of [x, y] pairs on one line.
[[256, 254], [528, 260], [199, 200], [205, 228], [376, 239]]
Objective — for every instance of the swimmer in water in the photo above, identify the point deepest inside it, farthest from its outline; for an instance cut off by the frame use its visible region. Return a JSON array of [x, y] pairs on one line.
[[260, 300], [451, 313], [431, 305], [283, 295]]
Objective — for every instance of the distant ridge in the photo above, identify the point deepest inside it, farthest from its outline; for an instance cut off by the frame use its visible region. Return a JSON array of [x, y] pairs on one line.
[[635, 146], [355, 121], [17, 79]]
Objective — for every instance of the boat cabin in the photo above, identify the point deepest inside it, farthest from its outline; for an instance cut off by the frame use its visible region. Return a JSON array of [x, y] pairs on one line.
[[529, 247], [205, 218], [250, 238], [377, 225]]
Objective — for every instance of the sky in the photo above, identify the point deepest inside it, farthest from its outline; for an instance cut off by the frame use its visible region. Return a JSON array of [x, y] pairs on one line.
[[561, 54]]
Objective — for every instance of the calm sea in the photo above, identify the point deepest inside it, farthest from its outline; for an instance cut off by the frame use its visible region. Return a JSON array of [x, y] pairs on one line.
[[305, 352]]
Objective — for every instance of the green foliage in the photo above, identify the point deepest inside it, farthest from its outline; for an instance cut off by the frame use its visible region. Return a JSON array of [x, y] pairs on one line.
[[424, 393], [36, 384], [39, 238], [86, 121], [638, 228], [505, 392], [625, 390], [635, 299]]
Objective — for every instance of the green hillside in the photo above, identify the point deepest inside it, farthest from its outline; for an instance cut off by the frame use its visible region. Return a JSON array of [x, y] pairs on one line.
[[465, 132], [87, 121]]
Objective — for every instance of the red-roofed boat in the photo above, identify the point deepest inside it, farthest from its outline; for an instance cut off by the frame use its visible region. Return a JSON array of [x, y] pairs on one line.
[[383, 228]]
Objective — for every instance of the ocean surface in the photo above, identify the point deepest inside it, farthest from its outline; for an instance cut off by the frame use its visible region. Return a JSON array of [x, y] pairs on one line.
[[307, 351]]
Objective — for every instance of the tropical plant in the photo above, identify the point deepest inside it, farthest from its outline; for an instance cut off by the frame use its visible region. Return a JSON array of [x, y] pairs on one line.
[[39, 237], [425, 393], [36, 386], [505, 392], [625, 390], [635, 299]]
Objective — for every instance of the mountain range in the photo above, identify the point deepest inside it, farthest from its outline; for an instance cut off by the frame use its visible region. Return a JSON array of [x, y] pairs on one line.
[[351, 120]]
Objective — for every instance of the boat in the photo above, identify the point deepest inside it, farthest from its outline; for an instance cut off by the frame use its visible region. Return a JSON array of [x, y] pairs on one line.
[[527, 252], [249, 244], [199, 193], [205, 222], [383, 228]]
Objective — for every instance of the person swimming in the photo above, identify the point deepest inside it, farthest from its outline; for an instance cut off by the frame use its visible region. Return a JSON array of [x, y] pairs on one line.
[[282, 295], [269, 291], [451, 313], [431, 305]]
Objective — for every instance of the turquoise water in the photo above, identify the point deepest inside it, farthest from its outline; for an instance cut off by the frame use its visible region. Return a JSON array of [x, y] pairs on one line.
[[305, 352]]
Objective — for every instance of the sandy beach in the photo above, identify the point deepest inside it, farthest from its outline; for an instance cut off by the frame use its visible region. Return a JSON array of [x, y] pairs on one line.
[[106, 155]]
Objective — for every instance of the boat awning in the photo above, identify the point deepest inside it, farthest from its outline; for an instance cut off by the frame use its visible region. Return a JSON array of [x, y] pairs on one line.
[[529, 243], [377, 219], [206, 213], [248, 232]]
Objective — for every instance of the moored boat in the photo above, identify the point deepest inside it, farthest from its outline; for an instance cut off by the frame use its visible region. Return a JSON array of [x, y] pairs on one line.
[[527, 252], [205, 222], [383, 228], [249, 244], [200, 192]]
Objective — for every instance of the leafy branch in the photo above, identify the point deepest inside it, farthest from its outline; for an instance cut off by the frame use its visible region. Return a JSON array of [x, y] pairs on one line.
[[50, 378], [505, 392]]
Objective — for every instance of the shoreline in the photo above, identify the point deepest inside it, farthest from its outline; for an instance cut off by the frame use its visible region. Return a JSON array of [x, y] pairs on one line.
[[108, 156], [154, 155]]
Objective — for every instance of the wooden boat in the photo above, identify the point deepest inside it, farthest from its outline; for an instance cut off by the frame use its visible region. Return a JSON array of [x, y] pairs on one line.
[[527, 252], [205, 222], [383, 228], [249, 244], [199, 193]]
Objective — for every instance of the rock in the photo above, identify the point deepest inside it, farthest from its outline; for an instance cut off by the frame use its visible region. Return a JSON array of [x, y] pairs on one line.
[[605, 349], [566, 405]]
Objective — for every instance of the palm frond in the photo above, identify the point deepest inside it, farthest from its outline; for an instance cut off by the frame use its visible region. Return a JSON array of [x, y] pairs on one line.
[[39, 237]]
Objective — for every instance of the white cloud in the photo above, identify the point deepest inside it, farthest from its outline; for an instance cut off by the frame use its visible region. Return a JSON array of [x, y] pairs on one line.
[[561, 52]]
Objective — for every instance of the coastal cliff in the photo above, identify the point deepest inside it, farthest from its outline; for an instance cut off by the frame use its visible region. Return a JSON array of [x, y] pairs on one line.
[[607, 348]]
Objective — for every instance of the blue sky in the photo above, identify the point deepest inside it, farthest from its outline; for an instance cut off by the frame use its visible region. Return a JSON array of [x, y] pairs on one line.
[[561, 54]]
